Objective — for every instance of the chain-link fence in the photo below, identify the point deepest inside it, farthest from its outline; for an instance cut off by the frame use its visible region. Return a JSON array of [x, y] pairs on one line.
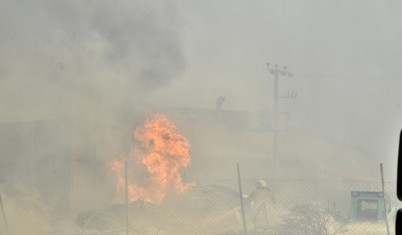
[[270, 207]]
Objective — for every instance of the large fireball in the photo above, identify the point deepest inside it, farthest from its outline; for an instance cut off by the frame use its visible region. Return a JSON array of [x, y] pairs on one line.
[[164, 152]]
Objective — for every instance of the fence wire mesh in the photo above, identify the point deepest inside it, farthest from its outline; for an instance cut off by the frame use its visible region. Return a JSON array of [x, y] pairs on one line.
[[270, 207]]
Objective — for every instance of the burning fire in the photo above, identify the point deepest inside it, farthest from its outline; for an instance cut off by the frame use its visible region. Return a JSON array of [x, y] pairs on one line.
[[164, 151]]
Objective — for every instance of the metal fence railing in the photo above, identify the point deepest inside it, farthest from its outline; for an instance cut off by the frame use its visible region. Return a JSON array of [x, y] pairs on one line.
[[271, 207], [301, 206]]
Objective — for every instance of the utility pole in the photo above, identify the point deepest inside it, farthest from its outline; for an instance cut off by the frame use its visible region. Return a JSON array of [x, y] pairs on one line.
[[276, 71]]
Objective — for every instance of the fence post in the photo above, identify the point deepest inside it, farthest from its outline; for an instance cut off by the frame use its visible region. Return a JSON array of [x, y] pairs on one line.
[[383, 196], [4, 214], [126, 182], [241, 200]]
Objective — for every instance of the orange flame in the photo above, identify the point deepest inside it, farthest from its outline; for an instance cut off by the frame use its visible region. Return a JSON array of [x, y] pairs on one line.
[[164, 152]]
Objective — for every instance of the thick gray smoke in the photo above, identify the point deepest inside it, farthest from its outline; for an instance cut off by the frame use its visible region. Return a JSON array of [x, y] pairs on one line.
[[68, 61], [67, 57], [78, 76]]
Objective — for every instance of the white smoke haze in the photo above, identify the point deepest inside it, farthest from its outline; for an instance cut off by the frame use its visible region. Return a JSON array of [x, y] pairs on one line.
[[84, 57], [77, 77]]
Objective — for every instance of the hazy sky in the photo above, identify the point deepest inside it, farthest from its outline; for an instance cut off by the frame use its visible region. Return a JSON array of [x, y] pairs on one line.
[[64, 57], [345, 56]]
